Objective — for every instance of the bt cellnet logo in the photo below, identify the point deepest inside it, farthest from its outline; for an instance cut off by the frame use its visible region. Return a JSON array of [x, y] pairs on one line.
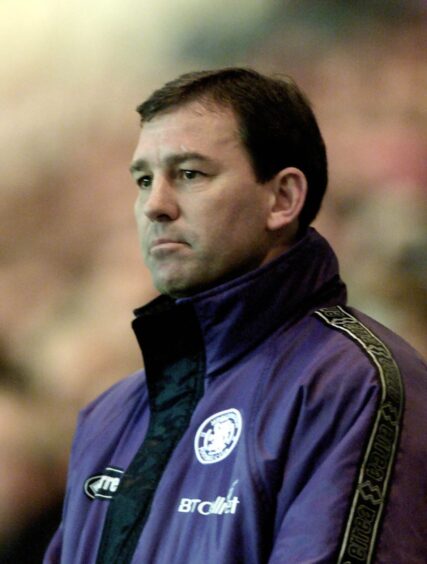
[[218, 506]]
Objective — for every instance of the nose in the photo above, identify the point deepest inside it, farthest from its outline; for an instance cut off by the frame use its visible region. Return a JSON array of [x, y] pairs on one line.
[[160, 203]]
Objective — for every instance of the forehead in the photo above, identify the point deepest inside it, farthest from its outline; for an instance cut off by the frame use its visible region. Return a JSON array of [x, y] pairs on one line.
[[189, 128]]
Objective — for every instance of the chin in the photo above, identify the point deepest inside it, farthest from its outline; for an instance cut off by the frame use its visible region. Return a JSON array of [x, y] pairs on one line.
[[174, 288], [181, 289]]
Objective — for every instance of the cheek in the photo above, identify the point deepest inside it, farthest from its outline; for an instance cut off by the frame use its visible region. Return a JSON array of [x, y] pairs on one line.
[[242, 214], [224, 229], [138, 210], [141, 221], [137, 207]]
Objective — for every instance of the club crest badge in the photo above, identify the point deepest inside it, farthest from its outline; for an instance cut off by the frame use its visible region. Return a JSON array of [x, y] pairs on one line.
[[217, 436]]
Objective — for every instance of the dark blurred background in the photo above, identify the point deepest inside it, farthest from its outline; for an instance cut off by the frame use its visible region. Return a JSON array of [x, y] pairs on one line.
[[71, 75]]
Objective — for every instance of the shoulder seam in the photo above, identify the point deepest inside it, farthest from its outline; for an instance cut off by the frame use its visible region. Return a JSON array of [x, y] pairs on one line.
[[373, 481]]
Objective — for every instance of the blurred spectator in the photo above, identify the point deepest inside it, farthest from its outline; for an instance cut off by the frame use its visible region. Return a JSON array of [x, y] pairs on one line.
[[32, 467]]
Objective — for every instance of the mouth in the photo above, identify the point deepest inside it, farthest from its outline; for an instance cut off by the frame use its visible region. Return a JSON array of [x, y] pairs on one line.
[[166, 245]]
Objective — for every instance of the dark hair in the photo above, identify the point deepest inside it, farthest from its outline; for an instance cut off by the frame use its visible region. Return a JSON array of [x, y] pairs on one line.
[[276, 123]]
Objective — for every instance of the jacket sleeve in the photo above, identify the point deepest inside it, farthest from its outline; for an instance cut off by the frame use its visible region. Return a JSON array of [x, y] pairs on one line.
[[332, 427]]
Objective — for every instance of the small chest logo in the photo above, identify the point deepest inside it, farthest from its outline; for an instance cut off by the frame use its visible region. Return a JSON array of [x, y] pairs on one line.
[[217, 436], [103, 486], [219, 506]]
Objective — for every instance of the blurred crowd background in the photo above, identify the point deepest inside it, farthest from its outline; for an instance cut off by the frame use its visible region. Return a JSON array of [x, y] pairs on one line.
[[70, 270]]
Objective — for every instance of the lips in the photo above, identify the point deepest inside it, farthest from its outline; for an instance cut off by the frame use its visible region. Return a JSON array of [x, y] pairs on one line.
[[165, 243]]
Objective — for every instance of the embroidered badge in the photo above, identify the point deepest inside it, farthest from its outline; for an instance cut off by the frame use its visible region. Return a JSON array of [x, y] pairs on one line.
[[103, 486], [217, 436]]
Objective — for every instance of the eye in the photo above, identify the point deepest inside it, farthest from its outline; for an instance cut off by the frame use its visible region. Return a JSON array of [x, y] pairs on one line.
[[188, 174], [144, 181]]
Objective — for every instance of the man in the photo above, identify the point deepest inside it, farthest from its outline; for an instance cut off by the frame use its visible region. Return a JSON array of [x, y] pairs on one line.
[[273, 423]]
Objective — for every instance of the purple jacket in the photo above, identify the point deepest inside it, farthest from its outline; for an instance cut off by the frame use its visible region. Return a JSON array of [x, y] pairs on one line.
[[273, 424]]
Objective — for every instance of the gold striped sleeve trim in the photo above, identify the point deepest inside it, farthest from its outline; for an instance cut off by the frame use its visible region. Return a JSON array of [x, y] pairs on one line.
[[373, 481]]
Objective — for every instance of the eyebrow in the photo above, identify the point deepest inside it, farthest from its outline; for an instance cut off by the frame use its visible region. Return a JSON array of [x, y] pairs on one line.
[[141, 164]]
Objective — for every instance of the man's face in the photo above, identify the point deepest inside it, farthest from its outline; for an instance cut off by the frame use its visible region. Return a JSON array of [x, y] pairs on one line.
[[201, 214]]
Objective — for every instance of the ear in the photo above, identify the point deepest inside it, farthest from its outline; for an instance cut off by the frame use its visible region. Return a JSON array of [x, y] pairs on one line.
[[288, 197]]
